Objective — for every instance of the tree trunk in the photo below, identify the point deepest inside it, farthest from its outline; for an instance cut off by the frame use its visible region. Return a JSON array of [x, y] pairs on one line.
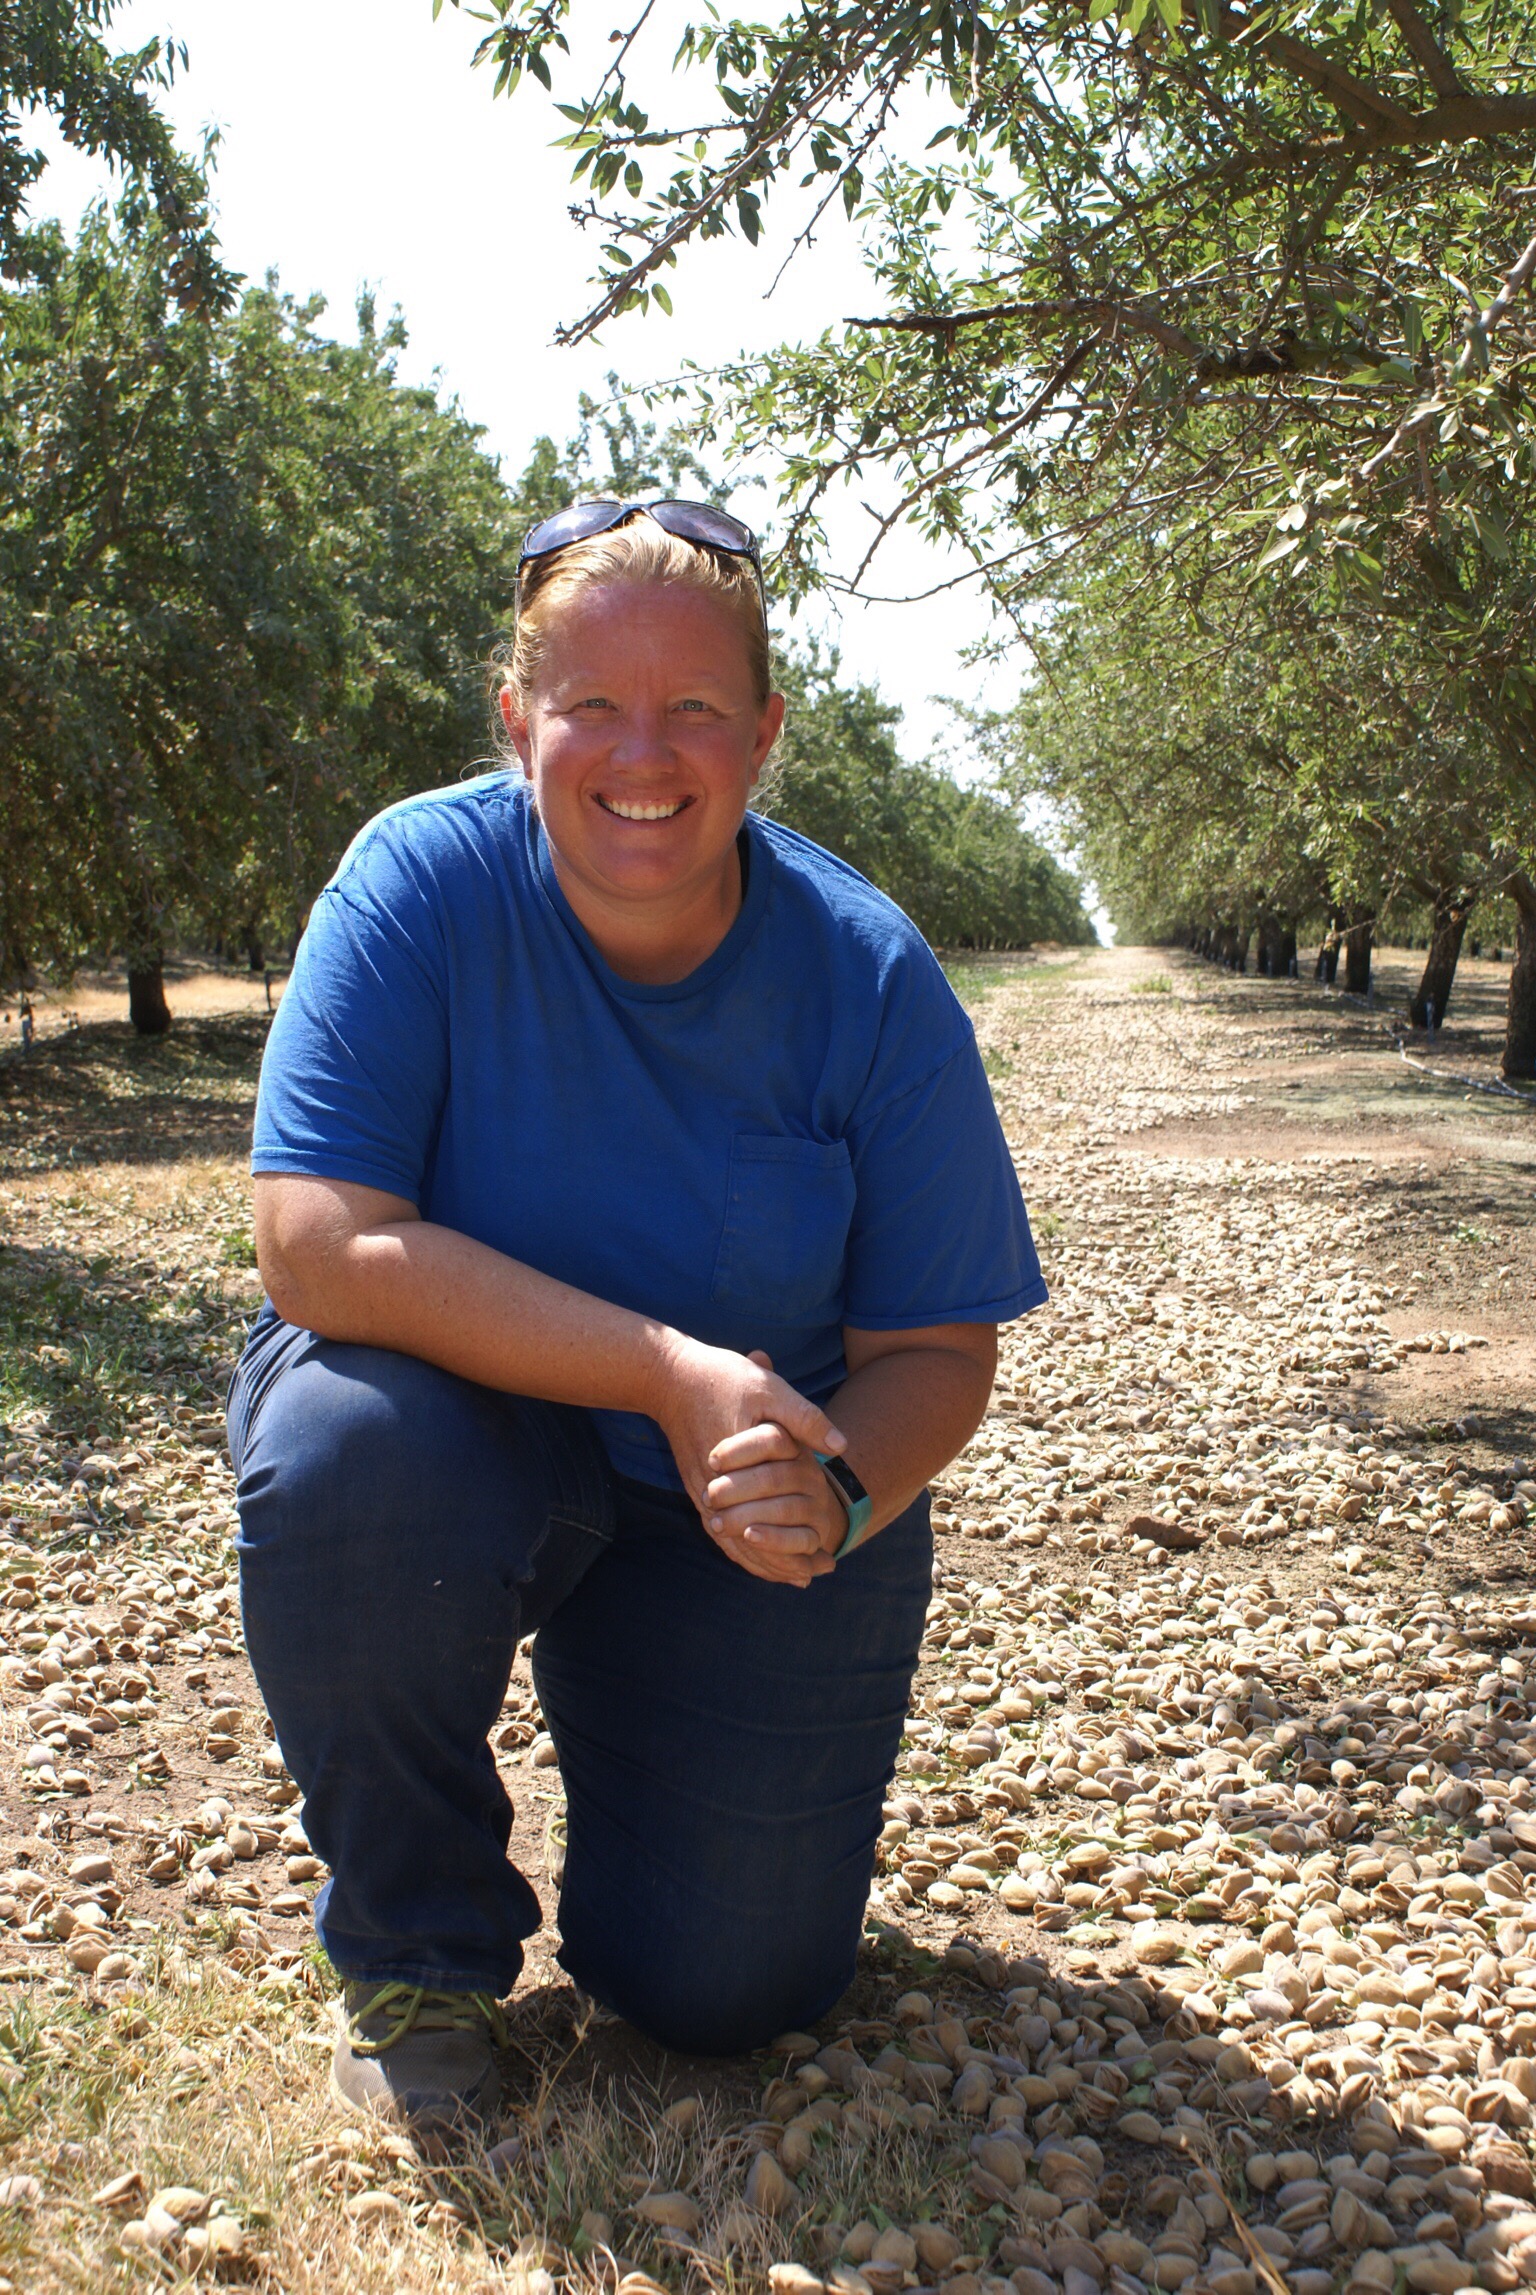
[[1451, 913], [255, 955], [147, 1008], [14, 968], [1277, 947], [1357, 956], [1520, 1033]]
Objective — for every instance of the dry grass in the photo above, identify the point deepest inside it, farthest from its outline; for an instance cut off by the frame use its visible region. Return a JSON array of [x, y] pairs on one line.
[[208, 2074]]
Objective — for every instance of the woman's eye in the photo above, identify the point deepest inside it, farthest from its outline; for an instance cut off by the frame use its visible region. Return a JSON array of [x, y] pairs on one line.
[[593, 701]]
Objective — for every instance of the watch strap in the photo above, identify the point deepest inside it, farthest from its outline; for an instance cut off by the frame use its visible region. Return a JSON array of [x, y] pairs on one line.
[[854, 1498]]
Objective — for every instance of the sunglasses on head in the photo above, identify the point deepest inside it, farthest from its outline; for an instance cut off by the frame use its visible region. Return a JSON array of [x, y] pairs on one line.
[[697, 522]]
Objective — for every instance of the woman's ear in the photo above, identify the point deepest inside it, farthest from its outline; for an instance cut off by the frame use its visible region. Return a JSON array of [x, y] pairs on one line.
[[769, 726], [516, 725]]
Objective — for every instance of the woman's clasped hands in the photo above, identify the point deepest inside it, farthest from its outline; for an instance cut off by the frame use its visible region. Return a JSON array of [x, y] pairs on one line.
[[745, 1443]]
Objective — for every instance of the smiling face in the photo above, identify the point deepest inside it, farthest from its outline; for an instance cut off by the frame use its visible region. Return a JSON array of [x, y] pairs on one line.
[[643, 737]]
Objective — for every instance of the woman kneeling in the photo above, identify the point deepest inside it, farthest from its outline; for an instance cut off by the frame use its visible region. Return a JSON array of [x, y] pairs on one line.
[[635, 1223]]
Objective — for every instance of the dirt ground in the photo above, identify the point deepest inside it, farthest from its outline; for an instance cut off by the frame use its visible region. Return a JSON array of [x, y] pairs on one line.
[[1235, 1603]]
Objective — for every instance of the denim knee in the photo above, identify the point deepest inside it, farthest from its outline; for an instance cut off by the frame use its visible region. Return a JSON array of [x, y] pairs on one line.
[[731, 2010], [346, 1447], [348, 1439]]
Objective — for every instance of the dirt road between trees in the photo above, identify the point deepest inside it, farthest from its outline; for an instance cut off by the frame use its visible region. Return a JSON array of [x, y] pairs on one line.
[[1200, 1954]]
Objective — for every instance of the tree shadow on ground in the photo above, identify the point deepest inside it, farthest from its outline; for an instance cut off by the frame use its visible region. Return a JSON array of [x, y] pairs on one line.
[[101, 1094], [73, 1336], [1474, 1026], [561, 2041]]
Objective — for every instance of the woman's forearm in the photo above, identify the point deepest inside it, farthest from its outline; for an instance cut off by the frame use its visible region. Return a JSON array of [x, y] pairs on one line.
[[355, 1264], [907, 1413], [405, 1283]]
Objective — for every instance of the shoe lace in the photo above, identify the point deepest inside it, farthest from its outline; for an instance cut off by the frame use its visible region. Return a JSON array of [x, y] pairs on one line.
[[410, 2007]]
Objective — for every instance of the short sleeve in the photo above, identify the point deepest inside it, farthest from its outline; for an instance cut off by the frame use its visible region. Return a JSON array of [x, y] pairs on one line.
[[356, 1066], [940, 1233]]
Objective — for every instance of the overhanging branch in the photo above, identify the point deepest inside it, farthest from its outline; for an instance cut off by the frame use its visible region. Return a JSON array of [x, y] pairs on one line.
[[1285, 355], [1473, 350], [1425, 49]]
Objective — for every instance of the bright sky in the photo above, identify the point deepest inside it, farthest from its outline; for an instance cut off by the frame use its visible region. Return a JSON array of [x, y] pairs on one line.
[[358, 147]]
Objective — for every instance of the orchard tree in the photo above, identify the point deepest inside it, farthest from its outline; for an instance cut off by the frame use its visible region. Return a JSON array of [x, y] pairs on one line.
[[247, 581], [1165, 264], [56, 57], [1304, 771]]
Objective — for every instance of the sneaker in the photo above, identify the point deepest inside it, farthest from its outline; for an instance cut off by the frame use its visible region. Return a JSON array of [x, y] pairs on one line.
[[420, 2058]]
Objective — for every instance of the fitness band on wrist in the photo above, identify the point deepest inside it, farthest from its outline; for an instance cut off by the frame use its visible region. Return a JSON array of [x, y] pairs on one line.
[[854, 1499]]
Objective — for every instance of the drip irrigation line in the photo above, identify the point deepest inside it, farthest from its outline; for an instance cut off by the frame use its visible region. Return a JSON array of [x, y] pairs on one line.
[[1467, 1083]]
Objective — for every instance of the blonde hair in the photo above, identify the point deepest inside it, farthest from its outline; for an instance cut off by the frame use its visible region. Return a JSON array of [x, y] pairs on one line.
[[630, 557]]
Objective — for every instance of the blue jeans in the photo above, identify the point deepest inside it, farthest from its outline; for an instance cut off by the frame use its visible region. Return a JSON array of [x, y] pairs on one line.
[[725, 1745]]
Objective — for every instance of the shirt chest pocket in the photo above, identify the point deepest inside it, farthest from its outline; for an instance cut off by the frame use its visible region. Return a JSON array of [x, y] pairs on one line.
[[789, 1205]]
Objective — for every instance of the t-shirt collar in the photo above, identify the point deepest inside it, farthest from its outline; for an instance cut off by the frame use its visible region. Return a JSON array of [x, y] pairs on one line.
[[704, 975]]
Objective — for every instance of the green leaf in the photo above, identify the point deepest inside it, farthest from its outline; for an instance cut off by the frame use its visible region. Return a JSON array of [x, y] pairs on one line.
[[1279, 549], [1491, 531], [659, 294]]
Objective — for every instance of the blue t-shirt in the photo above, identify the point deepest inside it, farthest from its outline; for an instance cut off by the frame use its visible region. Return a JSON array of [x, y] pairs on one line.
[[797, 1136]]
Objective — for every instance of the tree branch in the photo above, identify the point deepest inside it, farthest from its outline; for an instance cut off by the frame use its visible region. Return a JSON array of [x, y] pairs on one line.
[[1362, 104], [1473, 349], [1425, 49], [735, 177], [1051, 388], [1281, 357], [1459, 119], [616, 66]]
